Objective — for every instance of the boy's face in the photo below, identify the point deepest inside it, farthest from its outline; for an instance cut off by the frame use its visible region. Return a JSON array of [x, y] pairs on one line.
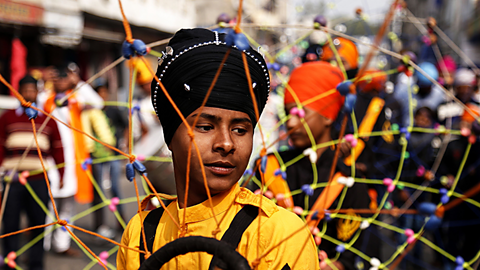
[[224, 139], [318, 124], [29, 92], [61, 84]]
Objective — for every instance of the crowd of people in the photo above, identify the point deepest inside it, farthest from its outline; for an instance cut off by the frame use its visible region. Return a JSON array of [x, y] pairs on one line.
[[315, 105]]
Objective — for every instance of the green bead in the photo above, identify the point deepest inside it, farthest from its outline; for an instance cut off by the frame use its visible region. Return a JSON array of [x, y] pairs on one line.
[[395, 127], [406, 155], [283, 148], [400, 186], [388, 205]]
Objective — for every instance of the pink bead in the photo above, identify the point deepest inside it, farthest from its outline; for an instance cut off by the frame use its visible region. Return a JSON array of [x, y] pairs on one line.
[[387, 181], [409, 232], [140, 157], [288, 203], [315, 231], [323, 265], [257, 192], [294, 111], [298, 210], [354, 142], [411, 239], [472, 139], [103, 255], [318, 240], [322, 255], [280, 197], [391, 188], [112, 207], [25, 174], [301, 113], [465, 132], [115, 200], [12, 264], [12, 256], [420, 171], [268, 194], [349, 137]]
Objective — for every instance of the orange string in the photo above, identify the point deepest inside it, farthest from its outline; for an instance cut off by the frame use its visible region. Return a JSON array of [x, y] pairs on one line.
[[187, 187], [141, 221], [85, 246], [160, 200], [239, 17], [44, 170], [104, 238], [27, 229], [126, 25]]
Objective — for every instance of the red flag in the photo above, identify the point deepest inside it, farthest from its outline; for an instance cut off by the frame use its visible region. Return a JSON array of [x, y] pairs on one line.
[[18, 64]]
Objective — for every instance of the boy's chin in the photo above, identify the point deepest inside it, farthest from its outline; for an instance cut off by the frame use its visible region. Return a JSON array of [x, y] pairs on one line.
[[217, 186]]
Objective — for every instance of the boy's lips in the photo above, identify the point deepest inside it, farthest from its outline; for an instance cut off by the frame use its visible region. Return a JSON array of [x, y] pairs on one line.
[[220, 167]]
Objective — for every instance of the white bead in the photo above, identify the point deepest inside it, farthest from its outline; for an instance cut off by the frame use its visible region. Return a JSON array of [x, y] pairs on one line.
[[364, 225], [375, 262]]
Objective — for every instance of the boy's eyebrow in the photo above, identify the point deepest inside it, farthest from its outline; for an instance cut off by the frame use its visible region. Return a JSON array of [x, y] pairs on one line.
[[210, 117], [216, 118], [242, 120]]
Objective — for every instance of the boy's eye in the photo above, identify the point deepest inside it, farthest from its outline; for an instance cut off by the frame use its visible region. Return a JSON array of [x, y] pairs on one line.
[[240, 131], [204, 128]]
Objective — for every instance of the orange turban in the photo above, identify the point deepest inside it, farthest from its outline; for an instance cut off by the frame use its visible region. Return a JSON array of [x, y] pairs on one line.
[[144, 75], [467, 117], [373, 79], [313, 79], [345, 48]]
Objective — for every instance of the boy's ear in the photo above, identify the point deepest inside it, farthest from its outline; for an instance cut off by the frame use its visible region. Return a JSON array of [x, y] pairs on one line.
[[328, 121]]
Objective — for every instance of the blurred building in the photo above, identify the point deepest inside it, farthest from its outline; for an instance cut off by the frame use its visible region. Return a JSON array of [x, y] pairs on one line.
[[88, 32]]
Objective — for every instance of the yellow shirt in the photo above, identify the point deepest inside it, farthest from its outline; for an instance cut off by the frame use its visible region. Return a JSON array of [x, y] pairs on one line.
[[277, 223]]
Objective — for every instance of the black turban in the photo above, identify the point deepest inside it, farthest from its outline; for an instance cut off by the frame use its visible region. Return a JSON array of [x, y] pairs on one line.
[[191, 61]]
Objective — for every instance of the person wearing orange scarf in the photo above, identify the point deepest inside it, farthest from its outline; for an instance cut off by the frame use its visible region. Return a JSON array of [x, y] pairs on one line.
[[346, 52], [77, 186], [312, 100]]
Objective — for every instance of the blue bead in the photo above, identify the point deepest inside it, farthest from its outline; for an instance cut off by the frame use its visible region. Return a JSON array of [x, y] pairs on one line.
[[140, 47], [139, 167], [276, 66], [320, 19], [444, 199], [328, 217], [85, 163], [31, 113], [263, 164], [130, 172], [127, 49], [459, 260], [230, 38], [427, 208], [241, 41], [340, 248], [58, 97], [308, 190], [284, 175], [442, 191], [248, 172], [407, 136], [344, 88], [63, 228], [315, 215], [433, 223], [136, 108], [277, 172], [458, 267], [350, 100]]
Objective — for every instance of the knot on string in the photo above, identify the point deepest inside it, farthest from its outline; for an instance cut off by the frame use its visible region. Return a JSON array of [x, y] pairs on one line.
[[131, 158], [191, 134], [147, 254], [62, 222], [25, 103], [263, 152], [255, 263], [216, 231]]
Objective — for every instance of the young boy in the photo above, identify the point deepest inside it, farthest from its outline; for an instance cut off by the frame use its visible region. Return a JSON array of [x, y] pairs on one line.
[[223, 134]]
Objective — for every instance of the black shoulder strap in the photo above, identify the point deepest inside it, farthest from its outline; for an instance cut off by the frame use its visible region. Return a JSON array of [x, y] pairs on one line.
[[150, 224], [233, 235]]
